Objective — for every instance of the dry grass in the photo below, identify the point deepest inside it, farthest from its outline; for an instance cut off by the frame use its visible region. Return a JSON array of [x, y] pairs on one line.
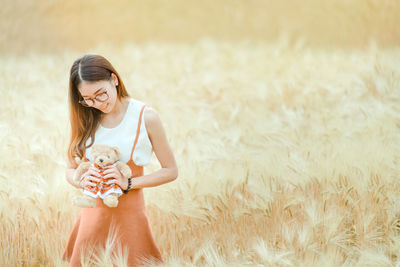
[[287, 156], [56, 24]]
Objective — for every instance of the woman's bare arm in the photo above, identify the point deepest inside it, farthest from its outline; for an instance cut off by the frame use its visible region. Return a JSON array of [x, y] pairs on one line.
[[162, 150], [69, 174], [89, 178]]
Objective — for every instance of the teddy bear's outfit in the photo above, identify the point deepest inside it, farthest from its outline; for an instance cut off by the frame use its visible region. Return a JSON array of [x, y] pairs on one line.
[[102, 189], [133, 227]]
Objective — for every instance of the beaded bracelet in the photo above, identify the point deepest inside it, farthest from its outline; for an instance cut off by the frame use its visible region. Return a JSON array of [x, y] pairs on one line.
[[129, 186]]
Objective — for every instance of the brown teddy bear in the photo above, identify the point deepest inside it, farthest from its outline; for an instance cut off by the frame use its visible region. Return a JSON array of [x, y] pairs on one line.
[[103, 155]]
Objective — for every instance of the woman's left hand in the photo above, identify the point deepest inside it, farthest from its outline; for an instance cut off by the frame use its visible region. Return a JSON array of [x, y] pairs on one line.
[[112, 171]]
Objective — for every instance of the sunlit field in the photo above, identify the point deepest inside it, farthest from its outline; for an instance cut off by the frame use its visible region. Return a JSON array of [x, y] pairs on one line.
[[55, 25], [287, 156], [283, 116]]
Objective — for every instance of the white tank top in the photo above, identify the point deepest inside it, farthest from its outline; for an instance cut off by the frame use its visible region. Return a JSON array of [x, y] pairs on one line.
[[124, 134]]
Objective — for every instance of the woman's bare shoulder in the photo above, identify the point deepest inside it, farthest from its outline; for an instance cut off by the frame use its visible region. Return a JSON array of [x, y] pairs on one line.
[[151, 118], [150, 113], [153, 123]]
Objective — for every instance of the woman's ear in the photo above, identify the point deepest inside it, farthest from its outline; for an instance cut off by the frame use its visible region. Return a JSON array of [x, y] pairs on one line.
[[115, 79]]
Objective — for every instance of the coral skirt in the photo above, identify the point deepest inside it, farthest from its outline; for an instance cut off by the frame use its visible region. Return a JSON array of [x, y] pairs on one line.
[[130, 221]]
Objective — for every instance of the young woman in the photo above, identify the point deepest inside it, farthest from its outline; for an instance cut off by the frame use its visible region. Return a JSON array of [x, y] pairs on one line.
[[102, 112]]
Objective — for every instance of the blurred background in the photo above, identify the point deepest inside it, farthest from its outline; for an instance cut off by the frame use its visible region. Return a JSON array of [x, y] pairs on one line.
[[283, 117], [55, 25]]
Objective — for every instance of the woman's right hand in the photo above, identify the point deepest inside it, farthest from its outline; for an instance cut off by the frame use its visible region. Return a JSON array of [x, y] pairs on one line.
[[90, 178]]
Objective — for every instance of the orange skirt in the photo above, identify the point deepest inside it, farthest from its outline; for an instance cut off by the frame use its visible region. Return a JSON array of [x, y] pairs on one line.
[[132, 230]]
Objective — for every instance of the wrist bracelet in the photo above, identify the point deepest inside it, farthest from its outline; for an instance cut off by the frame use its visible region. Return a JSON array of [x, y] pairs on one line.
[[129, 186]]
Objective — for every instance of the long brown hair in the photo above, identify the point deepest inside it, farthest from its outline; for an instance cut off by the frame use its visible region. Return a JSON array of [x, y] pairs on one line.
[[84, 120]]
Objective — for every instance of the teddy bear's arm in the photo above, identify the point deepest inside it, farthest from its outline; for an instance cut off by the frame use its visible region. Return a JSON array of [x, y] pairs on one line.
[[124, 169], [82, 168]]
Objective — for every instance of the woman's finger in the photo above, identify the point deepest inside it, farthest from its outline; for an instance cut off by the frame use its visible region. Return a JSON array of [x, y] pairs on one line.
[[94, 173], [113, 172], [93, 179], [91, 184], [112, 175], [89, 181], [110, 167], [87, 177], [110, 171], [112, 181]]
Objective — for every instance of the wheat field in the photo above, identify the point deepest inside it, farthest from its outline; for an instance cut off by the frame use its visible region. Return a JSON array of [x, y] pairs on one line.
[[288, 153]]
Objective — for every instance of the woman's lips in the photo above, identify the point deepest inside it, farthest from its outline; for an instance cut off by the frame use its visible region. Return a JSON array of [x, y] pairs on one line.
[[105, 107]]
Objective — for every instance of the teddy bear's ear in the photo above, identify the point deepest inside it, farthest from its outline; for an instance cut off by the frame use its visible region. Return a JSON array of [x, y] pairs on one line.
[[116, 150], [93, 151], [95, 147]]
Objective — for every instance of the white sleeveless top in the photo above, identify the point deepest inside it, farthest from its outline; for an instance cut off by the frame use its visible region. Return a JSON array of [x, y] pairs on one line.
[[123, 136]]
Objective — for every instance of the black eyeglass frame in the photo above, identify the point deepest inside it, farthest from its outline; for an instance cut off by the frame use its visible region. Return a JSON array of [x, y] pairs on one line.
[[84, 103]]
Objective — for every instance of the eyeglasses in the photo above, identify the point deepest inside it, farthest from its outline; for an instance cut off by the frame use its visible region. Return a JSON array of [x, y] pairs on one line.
[[89, 102]]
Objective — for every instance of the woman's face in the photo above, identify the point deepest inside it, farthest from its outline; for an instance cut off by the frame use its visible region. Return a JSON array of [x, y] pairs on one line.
[[97, 91]]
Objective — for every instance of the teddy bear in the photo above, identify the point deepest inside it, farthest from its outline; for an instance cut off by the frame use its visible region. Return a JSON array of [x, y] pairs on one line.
[[103, 155]]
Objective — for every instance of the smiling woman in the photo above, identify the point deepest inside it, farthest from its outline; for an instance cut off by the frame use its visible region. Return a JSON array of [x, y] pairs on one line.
[[87, 75], [102, 112], [100, 96]]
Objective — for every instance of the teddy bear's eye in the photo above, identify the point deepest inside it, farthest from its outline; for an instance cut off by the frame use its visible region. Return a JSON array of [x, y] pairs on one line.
[[108, 156]]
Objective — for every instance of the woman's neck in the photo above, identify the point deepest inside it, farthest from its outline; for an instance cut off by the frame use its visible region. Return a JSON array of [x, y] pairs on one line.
[[118, 110]]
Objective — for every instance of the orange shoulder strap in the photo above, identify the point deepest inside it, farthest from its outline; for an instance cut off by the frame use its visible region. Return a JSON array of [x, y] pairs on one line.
[[138, 130]]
